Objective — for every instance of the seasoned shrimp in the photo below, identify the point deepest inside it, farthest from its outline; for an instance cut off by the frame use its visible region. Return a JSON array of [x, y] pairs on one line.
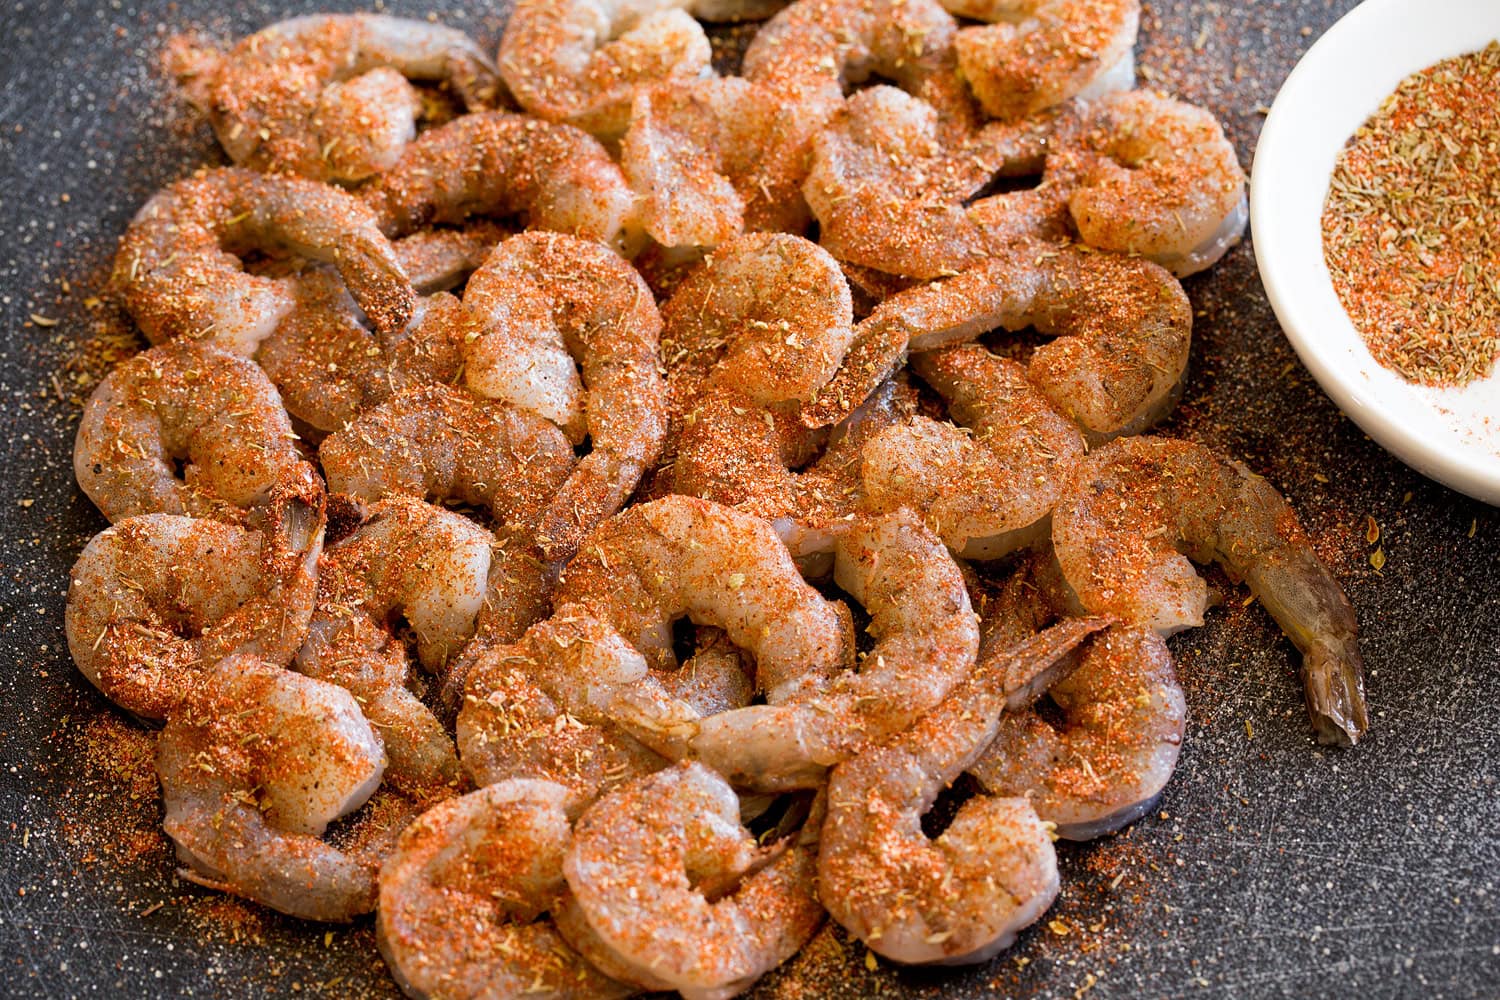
[[988, 494], [428, 565], [326, 96], [464, 899], [926, 638], [961, 897], [658, 561], [438, 442], [155, 601], [214, 412], [1156, 177], [1136, 511], [638, 868], [254, 765], [555, 177], [1038, 53], [581, 61], [547, 299], [716, 678], [179, 274], [1122, 328]]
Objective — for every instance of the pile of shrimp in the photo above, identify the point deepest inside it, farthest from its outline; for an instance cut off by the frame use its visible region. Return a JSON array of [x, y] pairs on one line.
[[511, 454]]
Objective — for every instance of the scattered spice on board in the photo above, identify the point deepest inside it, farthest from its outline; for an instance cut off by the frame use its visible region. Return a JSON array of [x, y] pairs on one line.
[[1411, 227]]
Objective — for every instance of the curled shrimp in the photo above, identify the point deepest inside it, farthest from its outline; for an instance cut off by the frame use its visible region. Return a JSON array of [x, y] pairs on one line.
[[1034, 54], [214, 412], [428, 565], [438, 442], [546, 299], [962, 896], [155, 601], [326, 96], [926, 637], [179, 275], [658, 561], [254, 765], [555, 177], [1122, 328], [1101, 758], [581, 61], [465, 895], [639, 866], [1137, 509], [986, 492], [1156, 177]]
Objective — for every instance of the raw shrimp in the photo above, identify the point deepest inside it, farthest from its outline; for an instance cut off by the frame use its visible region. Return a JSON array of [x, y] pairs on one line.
[[542, 708], [961, 897], [716, 678], [254, 765], [1156, 177], [438, 442], [639, 868], [428, 565], [155, 601], [926, 637], [464, 899], [1136, 510], [547, 299], [1038, 53], [326, 96], [179, 274], [214, 412], [988, 494], [581, 61], [555, 177], [891, 188], [658, 561], [1122, 328]]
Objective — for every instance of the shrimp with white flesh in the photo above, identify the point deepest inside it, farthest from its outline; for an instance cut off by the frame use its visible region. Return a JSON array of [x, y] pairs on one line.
[[464, 899], [582, 61], [1034, 54], [656, 562], [543, 708], [212, 411], [1100, 761], [1138, 509], [988, 486], [555, 177], [440, 442], [1121, 329], [962, 897], [431, 567], [178, 270], [546, 300], [254, 764], [155, 601], [717, 677], [926, 638], [667, 878], [1156, 177], [326, 96], [891, 188]]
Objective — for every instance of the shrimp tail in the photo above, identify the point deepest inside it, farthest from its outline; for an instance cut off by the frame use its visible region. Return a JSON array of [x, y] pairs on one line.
[[1334, 685], [376, 280], [1028, 669]]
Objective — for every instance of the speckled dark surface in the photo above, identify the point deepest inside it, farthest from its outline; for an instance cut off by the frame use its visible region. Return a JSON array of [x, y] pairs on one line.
[[1273, 868]]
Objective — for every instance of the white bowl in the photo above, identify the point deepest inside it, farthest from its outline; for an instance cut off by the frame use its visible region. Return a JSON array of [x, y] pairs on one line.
[[1451, 435]]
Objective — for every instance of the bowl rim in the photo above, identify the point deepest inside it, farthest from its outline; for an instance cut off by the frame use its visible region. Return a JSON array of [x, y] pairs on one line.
[[1301, 307]]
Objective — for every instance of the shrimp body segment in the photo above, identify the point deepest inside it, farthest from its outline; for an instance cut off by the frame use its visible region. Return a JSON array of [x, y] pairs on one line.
[[179, 274], [465, 895], [638, 867], [215, 412], [1139, 508], [326, 96], [155, 601], [254, 765]]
